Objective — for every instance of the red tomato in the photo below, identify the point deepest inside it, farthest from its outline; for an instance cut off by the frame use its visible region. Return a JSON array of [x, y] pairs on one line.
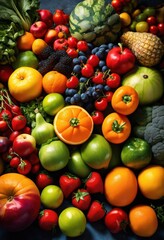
[[35, 168], [18, 122], [14, 162], [81, 199], [109, 96], [5, 115], [82, 45], [116, 220], [93, 60], [3, 126], [24, 167], [98, 77], [16, 110], [48, 219], [72, 82], [98, 117], [101, 104], [87, 70], [59, 17], [13, 135], [114, 80], [43, 179], [24, 205]]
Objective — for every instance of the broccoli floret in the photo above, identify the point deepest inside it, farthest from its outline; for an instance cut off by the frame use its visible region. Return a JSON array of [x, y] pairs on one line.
[[151, 128]]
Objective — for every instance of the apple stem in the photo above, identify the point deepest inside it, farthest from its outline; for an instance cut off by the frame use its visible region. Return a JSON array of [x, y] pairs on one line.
[[121, 47]]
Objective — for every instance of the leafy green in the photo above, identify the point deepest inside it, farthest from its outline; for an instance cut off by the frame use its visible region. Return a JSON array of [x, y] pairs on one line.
[[30, 109], [16, 17], [22, 12]]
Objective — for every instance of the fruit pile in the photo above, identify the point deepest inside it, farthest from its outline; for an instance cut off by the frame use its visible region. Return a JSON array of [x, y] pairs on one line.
[[81, 122]]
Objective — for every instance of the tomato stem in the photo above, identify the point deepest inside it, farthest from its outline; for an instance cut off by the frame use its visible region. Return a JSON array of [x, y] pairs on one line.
[[116, 127]]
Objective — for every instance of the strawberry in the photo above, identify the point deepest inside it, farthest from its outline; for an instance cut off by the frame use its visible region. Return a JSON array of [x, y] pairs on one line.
[[81, 199], [69, 183], [96, 211], [94, 183]]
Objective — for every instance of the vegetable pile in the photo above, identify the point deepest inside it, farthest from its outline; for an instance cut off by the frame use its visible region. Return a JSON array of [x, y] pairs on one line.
[[81, 119]]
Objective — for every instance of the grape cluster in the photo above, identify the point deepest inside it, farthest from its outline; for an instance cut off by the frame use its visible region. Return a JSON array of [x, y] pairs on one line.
[[89, 90]]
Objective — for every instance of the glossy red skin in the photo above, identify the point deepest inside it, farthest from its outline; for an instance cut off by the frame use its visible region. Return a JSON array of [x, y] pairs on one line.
[[96, 211], [116, 220], [72, 82], [60, 44], [48, 219], [93, 60], [72, 52], [16, 110], [23, 209], [82, 45], [38, 29], [98, 78], [24, 167], [43, 179], [120, 60], [60, 17], [101, 104], [84, 202], [109, 95], [72, 42], [98, 117], [14, 162], [68, 184], [46, 16], [18, 122], [87, 70], [23, 146], [5, 115], [3, 126], [114, 80], [62, 28], [94, 183]]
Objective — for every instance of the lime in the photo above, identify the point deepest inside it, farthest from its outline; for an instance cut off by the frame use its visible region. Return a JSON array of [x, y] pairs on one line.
[[149, 11], [26, 59], [142, 26]]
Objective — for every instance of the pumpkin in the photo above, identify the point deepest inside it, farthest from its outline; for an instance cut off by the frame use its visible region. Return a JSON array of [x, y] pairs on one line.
[[94, 21]]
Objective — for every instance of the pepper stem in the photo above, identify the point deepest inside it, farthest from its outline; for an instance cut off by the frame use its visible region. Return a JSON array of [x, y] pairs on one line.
[[116, 127], [127, 98]]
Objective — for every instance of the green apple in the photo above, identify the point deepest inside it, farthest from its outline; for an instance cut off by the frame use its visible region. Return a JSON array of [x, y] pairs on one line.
[[52, 196], [27, 59], [147, 82], [52, 103]]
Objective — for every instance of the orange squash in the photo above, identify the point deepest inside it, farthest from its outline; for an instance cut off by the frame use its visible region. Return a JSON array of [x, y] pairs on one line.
[[73, 125], [116, 128]]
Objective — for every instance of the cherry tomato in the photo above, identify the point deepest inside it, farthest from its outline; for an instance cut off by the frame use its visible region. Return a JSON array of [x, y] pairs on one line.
[[5, 115], [27, 130], [117, 5], [161, 28], [98, 78], [24, 167], [48, 219], [116, 220], [35, 168], [14, 162], [101, 104], [114, 80], [82, 46], [93, 60], [87, 70], [72, 52], [33, 158], [3, 126], [151, 20], [72, 42], [97, 117], [18, 122], [13, 135], [109, 95], [72, 82], [153, 29], [16, 110], [43, 179]]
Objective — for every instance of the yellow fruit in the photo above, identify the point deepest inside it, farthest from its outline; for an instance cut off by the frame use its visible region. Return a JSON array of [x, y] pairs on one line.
[[147, 47], [142, 26], [151, 182], [38, 46], [25, 84], [125, 19]]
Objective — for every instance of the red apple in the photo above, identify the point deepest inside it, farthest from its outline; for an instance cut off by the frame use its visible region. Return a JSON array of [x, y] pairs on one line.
[[62, 28], [19, 202], [24, 144], [46, 16], [72, 42], [50, 36], [38, 29], [60, 44]]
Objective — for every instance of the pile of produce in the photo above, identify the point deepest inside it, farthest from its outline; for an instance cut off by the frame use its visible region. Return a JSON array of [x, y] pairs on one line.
[[82, 118]]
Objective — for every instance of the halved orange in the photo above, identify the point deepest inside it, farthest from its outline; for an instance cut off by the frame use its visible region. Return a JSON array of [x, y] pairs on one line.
[[73, 125]]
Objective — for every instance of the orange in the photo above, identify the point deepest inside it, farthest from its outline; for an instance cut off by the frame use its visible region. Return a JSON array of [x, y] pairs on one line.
[[73, 125], [38, 46], [54, 82], [143, 220], [25, 84], [120, 186], [151, 182], [25, 41]]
